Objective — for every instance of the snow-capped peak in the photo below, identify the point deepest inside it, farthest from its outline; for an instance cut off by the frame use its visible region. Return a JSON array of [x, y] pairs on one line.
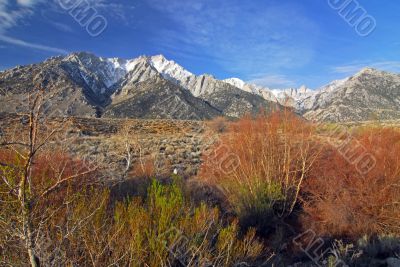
[[303, 89], [109, 71], [112, 70], [169, 69], [288, 96], [333, 86], [235, 82], [248, 87]]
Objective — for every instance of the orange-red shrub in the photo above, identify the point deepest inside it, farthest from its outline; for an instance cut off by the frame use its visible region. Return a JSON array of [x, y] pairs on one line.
[[150, 167], [260, 164], [340, 200], [219, 124], [54, 172], [57, 180]]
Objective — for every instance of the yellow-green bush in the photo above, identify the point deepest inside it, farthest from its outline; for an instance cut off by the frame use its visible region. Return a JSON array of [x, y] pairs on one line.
[[160, 229], [163, 230]]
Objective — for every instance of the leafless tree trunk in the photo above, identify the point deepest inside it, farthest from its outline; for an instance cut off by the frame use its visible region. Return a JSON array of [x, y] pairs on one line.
[[25, 192], [25, 182]]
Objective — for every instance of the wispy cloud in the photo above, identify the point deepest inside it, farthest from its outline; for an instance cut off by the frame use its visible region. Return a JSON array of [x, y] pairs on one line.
[[8, 17], [29, 3], [11, 15], [61, 26], [274, 81], [14, 41], [247, 37], [352, 68], [121, 12]]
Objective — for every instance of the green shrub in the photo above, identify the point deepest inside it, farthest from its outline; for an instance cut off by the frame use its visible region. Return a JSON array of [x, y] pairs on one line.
[[161, 229]]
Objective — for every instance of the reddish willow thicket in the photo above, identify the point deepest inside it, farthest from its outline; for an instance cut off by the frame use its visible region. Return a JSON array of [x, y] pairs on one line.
[[260, 165], [270, 167], [271, 170], [339, 200]]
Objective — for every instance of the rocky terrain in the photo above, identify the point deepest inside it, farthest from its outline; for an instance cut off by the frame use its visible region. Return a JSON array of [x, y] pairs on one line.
[[369, 95], [84, 85], [165, 144], [158, 98]]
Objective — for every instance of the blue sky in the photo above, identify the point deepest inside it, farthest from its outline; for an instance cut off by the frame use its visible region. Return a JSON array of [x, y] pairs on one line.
[[274, 43]]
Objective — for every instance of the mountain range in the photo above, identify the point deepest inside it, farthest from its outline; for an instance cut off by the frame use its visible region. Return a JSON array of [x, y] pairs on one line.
[[82, 84]]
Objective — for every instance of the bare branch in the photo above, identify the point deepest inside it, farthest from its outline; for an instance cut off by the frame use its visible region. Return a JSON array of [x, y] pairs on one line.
[[64, 180], [14, 144]]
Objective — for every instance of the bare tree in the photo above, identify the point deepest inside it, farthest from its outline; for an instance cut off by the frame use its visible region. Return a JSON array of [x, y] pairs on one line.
[[37, 136]]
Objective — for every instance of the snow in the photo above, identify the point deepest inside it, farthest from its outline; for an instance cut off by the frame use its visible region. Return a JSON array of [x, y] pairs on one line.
[[277, 95], [117, 68], [235, 82], [112, 70], [169, 69]]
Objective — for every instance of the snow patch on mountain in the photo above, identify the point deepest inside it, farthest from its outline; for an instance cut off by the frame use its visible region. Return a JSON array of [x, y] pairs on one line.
[[235, 82], [287, 97], [169, 69], [101, 74]]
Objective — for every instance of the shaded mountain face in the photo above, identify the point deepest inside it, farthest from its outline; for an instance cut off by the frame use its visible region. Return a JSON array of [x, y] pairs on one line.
[[66, 94], [235, 103], [157, 98], [82, 84]]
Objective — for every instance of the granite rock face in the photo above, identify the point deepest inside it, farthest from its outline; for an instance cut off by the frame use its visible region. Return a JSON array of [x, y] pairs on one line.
[[84, 85], [368, 95]]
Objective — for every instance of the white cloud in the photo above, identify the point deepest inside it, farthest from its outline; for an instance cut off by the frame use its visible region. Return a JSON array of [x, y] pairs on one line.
[[61, 26], [245, 37], [28, 3], [121, 12], [274, 81], [11, 16], [353, 68], [14, 41]]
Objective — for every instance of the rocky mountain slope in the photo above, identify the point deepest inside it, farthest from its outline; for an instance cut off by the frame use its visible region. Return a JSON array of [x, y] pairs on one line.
[[157, 98], [369, 95], [82, 84], [66, 90], [287, 97]]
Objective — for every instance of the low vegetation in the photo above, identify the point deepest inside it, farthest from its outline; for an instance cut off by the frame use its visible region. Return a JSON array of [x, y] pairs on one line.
[[80, 224], [264, 181], [260, 166], [340, 200]]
